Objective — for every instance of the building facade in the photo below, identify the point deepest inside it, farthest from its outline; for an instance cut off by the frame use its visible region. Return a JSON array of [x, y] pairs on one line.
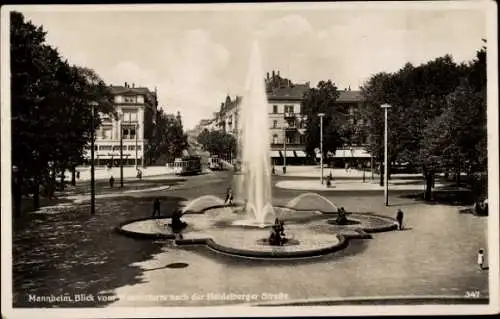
[[136, 108], [287, 122]]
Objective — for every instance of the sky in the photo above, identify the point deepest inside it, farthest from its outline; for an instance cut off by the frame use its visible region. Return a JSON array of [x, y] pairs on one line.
[[196, 55]]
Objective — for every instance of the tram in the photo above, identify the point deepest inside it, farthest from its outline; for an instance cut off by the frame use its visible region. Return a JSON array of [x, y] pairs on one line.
[[188, 165]]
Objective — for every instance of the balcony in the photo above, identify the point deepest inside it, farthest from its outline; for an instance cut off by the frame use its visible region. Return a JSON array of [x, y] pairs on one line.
[[289, 115]]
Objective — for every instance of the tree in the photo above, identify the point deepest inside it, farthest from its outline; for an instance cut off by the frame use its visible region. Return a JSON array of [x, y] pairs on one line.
[[168, 139], [322, 100], [429, 103], [217, 143], [50, 108]]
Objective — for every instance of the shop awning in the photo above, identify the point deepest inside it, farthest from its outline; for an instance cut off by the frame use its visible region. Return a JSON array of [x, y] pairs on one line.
[[300, 153], [353, 153], [275, 154], [289, 153]]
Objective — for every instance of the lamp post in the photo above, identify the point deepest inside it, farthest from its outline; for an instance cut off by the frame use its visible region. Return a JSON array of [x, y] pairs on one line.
[[386, 186], [321, 115], [136, 132], [92, 165], [284, 149], [121, 151]]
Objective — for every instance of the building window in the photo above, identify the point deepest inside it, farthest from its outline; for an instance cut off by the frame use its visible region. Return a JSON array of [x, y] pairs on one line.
[[116, 148], [131, 147], [275, 109], [289, 109], [105, 147], [275, 124], [289, 140], [130, 116], [302, 139], [130, 99], [275, 139]]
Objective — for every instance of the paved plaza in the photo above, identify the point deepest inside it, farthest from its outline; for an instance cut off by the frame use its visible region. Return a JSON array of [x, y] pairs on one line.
[[434, 256]]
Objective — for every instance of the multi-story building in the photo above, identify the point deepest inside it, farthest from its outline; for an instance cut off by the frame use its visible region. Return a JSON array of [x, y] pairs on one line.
[[227, 117], [136, 108], [287, 122]]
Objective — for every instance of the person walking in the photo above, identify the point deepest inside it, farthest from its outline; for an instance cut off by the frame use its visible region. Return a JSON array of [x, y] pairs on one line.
[[156, 207], [480, 258], [399, 218], [229, 196]]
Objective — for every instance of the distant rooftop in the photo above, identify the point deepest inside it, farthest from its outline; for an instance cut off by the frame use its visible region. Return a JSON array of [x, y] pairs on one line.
[[291, 92], [350, 96], [118, 89]]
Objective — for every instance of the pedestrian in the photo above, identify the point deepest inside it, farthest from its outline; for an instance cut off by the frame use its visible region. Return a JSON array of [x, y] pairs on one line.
[[78, 175], [139, 174], [399, 218], [480, 258], [229, 196], [156, 207], [111, 181], [284, 169], [346, 167]]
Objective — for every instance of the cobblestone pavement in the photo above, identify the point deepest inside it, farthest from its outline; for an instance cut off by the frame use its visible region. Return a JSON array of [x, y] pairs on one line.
[[70, 252]]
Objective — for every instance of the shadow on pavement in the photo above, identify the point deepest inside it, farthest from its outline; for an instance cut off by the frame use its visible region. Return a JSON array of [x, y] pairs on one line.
[[445, 197], [70, 252]]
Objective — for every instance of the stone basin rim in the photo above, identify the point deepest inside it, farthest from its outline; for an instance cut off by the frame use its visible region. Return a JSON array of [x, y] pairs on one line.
[[342, 243]]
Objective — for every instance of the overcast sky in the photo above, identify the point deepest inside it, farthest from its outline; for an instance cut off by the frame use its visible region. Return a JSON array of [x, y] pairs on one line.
[[196, 57]]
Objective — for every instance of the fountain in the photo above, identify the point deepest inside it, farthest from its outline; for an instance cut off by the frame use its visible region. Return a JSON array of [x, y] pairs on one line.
[[307, 201], [202, 202], [243, 228], [254, 184]]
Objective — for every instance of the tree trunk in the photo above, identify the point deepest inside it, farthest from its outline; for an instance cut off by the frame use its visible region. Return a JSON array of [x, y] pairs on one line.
[[428, 186], [17, 194], [381, 174], [36, 192], [457, 177], [73, 175], [62, 178]]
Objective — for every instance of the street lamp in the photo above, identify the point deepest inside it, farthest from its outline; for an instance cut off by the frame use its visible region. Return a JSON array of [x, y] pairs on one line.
[[386, 185], [92, 167], [321, 115], [121, 150], [284, 149], [136, 133]]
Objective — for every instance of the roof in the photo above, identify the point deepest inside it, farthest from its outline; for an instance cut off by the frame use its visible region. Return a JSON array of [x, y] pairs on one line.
[[293, 92], [128, 90], [350, 96]]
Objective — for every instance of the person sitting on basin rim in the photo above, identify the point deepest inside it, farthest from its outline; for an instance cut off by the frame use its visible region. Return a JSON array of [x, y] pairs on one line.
[[177, 224]]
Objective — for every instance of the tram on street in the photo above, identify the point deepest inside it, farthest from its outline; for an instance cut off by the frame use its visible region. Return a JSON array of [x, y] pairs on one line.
[[189, 165]]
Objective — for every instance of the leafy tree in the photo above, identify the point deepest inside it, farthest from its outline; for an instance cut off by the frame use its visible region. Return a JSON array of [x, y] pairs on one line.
[[168, 139], [429, 103], [217, 143], [50, 109], [322, 100]]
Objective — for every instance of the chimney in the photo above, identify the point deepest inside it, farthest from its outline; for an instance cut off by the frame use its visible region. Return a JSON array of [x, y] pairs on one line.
[[125, 84], [349, 87], [133, 85], [268, 75], [273, 75], [278, 73]]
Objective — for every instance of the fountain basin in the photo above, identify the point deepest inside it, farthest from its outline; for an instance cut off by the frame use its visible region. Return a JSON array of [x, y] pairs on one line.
[[226, 230]]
